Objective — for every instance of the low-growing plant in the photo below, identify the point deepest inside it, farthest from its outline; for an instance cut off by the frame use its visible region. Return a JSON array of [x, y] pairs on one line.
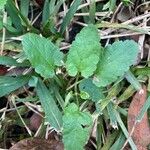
[[75, 87], [89, 65]]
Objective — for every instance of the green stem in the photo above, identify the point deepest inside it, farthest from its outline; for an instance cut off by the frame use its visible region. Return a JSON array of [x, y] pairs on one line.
[[76, 89]]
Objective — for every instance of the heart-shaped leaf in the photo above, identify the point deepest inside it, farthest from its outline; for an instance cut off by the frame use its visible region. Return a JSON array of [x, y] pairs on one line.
[[84, 53], [76, 128], [42, 53], [115, 62]]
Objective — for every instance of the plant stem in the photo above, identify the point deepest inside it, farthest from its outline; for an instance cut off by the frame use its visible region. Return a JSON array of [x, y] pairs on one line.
[[76, 89]]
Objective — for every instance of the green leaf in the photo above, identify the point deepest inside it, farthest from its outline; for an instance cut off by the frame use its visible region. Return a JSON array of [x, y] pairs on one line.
[[42, 53], [45, 13], [33, 81], [13, 13], [119, 142], [93, 92], [52, 113], [76, 128], [24, 6], [2, 4], [5, 60], [110, 139], [84, 52], [115, 62], [10, 84], [112, 5]]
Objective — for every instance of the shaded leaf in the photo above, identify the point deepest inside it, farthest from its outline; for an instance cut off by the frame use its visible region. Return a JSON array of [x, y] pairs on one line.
[[115, 62], [123, 16], [5, 60], [119, 142], [3, 70], [84, 53], [9, 84], [40, 2], [141, 134], [76, 128], [110, 140], [35, 121], [37, 143], [91, 89], [42, 53]]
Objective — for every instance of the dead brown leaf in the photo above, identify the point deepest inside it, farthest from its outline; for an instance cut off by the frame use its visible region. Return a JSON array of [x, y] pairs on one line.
[[141, 133], [38, 144], [3, 70], [40, 2], [35, 121], [123, 15]]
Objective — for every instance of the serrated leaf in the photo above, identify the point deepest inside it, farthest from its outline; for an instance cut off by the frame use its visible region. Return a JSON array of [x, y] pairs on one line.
[[115, 62], [76, 128], [2, 4], [52, 113], [42, 53], [84, 53], [91, 89], [10, 84]]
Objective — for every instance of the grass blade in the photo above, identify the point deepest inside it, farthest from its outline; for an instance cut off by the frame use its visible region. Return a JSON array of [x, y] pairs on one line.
[[53, 115], [70, 15], [134, 82], [5, 60], [92, 11], [119, 142], [112, 116], [45, 13], [143, 110], [120, 122], [13, 13], [10, 84], [109, 141], [112, 5], [24, 6]]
